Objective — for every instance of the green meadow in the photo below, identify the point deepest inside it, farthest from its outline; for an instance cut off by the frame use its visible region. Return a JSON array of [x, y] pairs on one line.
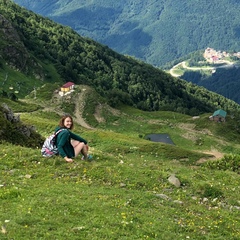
[[124, 192]]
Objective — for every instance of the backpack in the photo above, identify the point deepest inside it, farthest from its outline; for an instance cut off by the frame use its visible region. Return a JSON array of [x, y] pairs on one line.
[[49, 147]]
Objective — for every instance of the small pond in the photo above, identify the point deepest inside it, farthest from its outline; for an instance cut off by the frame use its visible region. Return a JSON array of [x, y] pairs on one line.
[[159, 137]]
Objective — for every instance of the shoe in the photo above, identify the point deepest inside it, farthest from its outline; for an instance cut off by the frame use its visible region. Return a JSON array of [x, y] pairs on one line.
[[89, 157]]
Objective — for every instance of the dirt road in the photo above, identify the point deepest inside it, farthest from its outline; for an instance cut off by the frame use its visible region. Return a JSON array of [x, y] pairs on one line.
[[80, 103], [227, 64]]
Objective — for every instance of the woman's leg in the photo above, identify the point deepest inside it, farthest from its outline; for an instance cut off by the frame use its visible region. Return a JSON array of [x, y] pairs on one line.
[[85, 152], [79, 147]]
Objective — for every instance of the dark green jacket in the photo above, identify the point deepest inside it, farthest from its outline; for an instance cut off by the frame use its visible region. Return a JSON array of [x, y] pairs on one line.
[[63, 142]]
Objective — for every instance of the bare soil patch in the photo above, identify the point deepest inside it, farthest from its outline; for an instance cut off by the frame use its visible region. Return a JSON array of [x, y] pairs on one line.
[[215, 156]]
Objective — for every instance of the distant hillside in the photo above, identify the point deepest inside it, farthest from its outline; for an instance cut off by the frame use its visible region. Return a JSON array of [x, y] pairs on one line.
[[217, 71], [225, 81], [36, 51], [154, 31]]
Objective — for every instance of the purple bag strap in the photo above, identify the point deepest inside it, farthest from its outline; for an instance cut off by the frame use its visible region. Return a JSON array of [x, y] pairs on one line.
[[56, 133]]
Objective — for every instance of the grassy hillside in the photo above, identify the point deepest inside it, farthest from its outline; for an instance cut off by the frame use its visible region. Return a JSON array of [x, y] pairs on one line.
[[154, 31], [125, 192]]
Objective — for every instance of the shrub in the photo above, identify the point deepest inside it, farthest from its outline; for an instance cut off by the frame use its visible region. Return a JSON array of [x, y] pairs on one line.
[[228, 162], [209, 191]]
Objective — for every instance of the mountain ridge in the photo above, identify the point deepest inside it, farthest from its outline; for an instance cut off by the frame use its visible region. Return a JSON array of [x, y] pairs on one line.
[[155, 32], [128, 187], [61, 55]]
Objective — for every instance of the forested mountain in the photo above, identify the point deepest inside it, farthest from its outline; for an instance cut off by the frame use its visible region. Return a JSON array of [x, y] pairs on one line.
[[35, 50], [225, 81], [153, 31]]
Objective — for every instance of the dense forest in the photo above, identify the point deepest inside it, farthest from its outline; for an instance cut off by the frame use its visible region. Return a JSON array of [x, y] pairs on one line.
[[30, 42], [225, 81], [156, 32]]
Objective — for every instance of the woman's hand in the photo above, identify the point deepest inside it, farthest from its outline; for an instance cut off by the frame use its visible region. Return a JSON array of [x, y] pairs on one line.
[[68, 159]]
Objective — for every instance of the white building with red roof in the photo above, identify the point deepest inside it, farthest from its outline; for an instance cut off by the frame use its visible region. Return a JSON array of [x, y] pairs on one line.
[[67, 88]]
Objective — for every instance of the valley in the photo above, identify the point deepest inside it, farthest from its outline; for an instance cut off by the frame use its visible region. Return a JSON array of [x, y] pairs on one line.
[[132, 188], [154, 32]]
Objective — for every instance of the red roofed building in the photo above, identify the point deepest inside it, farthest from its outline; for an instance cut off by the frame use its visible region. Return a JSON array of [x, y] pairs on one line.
[[67, 87], [215, 58]]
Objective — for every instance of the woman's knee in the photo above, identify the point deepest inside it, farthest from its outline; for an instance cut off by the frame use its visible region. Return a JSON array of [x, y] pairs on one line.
[[80, 145], [74, 143], [78, 148]]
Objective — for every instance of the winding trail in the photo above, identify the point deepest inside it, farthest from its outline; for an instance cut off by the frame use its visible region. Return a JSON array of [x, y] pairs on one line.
[[227, 64], [80, 103]]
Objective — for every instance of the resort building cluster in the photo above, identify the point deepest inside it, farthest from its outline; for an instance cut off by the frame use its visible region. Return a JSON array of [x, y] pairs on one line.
[[213, 56]]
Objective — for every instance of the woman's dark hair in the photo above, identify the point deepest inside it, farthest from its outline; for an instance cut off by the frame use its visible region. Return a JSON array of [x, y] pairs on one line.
[[61, 123]]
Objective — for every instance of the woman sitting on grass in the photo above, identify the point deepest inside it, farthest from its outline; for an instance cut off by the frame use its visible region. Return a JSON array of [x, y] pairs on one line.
[[70, 145]]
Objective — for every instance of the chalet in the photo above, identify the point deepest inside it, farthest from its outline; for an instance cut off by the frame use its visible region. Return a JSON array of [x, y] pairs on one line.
[[218, 116], [67, 87], [215, 59]]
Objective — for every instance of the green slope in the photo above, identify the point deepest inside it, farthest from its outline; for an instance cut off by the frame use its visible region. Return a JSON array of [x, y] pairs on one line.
[[124, 193]]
